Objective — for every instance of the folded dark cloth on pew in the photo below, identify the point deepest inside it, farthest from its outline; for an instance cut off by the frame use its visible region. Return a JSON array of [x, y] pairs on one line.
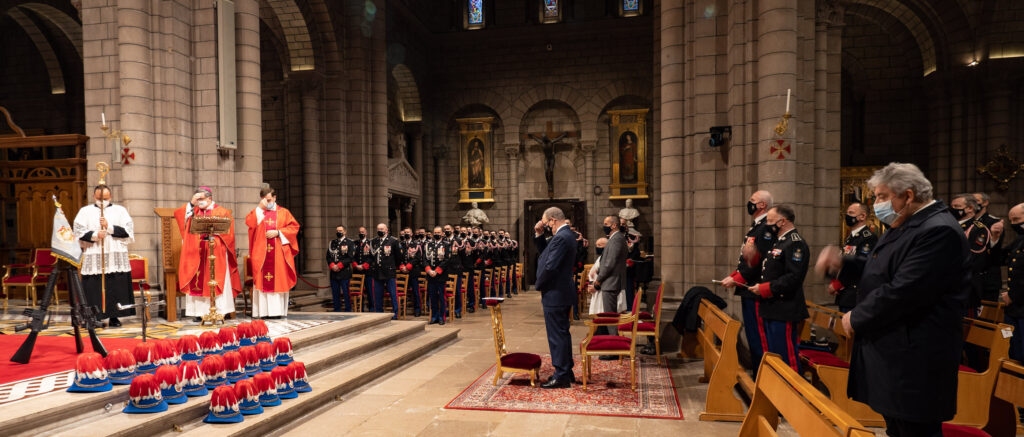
[[686, 319]]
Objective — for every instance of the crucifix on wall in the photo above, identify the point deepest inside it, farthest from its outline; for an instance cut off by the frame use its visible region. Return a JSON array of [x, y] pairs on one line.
[[548, 140]]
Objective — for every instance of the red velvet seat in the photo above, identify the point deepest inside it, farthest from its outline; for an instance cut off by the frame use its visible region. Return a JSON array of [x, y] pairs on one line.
[[609, 342], [521, 360], [950, 430], [964, 368], [29, 276], [822, 358], [643, 326]]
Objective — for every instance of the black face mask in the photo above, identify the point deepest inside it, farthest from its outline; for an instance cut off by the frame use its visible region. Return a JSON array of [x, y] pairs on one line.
[[421, 236], [447, 233], [751, 208], [958, 213], [437, 237], [607, 230], [339, 234], [362, 236], [851, 220], [1018, 228], [774, 229], [547, 228], [599, 251], [380, 233]]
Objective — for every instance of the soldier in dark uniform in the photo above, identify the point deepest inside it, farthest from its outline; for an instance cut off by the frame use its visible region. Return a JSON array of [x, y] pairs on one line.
[[436, 256], [756, 244], [860, 242], [455, 267], [468, 265], [1014, 296], [385, 256], [632, 269], [781, 304], [993, 279], [412, 266], [362, 258], [341, 260], [965, 209], [479, 249]]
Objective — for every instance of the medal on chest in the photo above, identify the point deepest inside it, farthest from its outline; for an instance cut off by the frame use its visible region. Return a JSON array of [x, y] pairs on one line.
[[387, 250]]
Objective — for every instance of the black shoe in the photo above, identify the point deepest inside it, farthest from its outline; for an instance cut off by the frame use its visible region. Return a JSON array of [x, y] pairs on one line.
[[648, 350], [470, 310], [114, 322], [441, 322], [432, 322], [416, 313], [608, 357], [458, 315], [197, 319], [556, 383]]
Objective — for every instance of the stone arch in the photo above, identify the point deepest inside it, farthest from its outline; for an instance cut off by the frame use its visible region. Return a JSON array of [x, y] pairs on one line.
[[570, 96], [569, 176], [301, 55], [408, 94], [43, 46], [71, 29], [914, 24], [611, 92], [482, 98]]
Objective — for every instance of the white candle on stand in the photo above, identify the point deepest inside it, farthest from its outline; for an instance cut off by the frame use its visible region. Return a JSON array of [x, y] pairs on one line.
[[788, 90], [103, 118]]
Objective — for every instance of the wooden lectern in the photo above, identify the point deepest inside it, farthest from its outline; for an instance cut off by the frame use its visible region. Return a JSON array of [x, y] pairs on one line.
[[208, 227], [170, 248]]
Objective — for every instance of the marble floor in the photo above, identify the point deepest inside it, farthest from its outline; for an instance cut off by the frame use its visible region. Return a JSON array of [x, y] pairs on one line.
[[410, 401]]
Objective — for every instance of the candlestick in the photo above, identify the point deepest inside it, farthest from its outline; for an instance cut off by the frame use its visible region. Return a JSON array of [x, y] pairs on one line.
[[788, 90]]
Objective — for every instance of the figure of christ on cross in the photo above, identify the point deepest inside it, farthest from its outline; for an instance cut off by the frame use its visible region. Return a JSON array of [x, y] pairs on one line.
[[547, 141]]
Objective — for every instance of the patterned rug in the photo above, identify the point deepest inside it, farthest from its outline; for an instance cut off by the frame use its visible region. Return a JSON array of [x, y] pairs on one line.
[[608, 392]]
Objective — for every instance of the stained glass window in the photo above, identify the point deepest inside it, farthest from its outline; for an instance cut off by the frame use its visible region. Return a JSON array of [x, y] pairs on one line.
[[551, 8], [476, 12], [630, 5]]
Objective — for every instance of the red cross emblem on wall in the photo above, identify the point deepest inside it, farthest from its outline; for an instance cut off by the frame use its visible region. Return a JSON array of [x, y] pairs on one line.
[[780, 149], [127, 156]]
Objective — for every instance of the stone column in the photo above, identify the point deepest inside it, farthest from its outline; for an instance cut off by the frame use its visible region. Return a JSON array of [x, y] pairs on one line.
[[250, 114], [672, 100], [512, 153], [417, 155], [312, 202], [777, 62], [439, 153], [587, 148]]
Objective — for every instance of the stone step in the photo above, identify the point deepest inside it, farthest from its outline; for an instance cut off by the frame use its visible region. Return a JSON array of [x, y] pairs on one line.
[[323, 356], [327, 386], [59, 408]]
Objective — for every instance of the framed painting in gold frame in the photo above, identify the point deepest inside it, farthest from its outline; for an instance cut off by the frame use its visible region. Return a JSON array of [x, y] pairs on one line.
[[476, 158], [628, 146]]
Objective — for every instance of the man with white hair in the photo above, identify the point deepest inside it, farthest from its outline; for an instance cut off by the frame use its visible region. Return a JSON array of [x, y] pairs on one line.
[[555, 268], [911, 294], [756, 244]]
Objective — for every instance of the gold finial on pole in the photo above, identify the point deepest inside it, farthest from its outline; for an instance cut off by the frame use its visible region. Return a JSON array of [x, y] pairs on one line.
[[104, 169]]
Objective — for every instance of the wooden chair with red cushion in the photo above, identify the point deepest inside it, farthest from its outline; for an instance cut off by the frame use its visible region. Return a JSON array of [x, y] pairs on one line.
[[29, 276], [650, 328], [464, 289], [621, 345], [516, 362], [449, 296], [355, 291], [140, 278], [423, 294]]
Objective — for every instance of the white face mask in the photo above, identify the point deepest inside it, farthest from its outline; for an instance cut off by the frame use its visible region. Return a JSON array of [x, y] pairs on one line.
[[202, 204], [104, 203]]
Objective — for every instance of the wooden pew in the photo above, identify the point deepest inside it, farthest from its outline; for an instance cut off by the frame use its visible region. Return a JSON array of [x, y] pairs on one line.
[[974, 390], [722, 371], [1009, 392], [833, 369], [780, 390], [992, 311]]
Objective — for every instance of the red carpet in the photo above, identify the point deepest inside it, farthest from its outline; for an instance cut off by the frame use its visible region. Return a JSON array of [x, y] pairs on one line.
[[52, 354], [608, 392]]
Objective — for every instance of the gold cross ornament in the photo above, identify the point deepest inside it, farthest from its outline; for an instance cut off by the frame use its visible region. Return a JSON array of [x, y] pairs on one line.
[[268, 276]]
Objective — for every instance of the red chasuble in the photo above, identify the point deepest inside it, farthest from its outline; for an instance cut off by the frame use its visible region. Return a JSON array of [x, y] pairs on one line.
[[193, 267], [273, 263]]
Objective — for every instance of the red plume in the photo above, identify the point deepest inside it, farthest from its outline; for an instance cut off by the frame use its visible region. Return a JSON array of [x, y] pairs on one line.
[[144, 353], [264, 383], [223, 399], [144, 386], [213, 366], [228, 336], [210, 342], [120, 360], [246, 389], [168, 376], [233, 362], [265, 351], [90, 364], [188, 344]]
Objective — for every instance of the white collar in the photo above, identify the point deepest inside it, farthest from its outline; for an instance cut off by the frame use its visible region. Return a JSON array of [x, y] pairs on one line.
[[857, 231], [964, 220], [560, 228], [787, 232], [760, 217], [922, 208]]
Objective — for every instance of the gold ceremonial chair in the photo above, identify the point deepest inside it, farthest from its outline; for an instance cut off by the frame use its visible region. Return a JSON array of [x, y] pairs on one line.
[[140, 280], [449, 296], [519, 277], [488, 285], [29, 276], [401, 291], [478, 287], [355, 291], [623, 346], [464, 289], [516, 362], [649, 328], [423, 295]]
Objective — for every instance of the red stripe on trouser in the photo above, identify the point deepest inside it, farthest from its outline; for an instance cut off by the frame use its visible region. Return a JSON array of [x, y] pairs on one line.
[[789, 347], [760, 329]]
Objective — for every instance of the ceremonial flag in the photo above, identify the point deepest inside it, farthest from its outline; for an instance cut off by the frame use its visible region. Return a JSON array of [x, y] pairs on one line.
[[63, 243]]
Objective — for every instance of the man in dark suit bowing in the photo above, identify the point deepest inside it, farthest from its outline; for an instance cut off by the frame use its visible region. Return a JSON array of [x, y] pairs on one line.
[[555, 268]]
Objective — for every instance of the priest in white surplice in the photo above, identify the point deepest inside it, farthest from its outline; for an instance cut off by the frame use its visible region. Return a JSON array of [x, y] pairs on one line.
[[194, 268], [273, 244], [110, 234]]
